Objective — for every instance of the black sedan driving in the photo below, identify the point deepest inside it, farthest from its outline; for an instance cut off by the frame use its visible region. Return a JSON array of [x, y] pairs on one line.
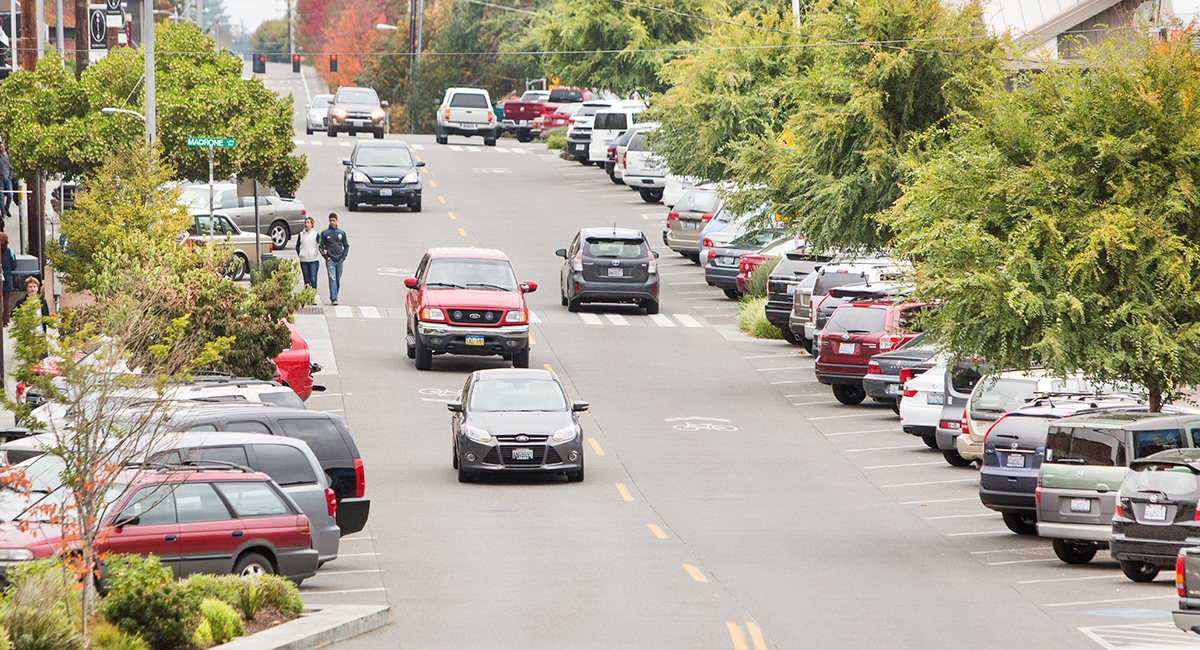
[[520, 420], [612, 265], [382, 173]]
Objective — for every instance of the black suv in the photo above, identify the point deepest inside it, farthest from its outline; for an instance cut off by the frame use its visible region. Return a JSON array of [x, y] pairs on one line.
[[609, 265], [781, 285], [382, 173]]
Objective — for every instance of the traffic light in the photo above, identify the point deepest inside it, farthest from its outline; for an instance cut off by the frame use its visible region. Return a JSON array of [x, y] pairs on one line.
[[260, 64], [333, 63], [295, 63]]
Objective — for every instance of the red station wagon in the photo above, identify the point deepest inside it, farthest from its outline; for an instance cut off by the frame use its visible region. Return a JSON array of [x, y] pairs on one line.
[[467, 301], [197, 520], [857, 331]]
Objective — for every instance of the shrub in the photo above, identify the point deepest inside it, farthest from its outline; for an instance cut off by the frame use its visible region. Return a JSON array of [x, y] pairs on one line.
[[556, 131], [756, 284], [106, 636], [278, 592], [247, 595], [203, 586], [270, 267], [38, 614], [144, 599], [5, 642], [203, 636], [752, 319], [220, 623], [556, 142], [250, 599]]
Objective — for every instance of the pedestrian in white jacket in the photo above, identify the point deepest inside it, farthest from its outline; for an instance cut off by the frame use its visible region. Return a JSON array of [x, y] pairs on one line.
[[310, 254]]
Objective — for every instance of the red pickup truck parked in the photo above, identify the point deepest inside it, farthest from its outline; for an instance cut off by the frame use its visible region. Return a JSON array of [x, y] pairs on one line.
[[525, 117], [467, 301]]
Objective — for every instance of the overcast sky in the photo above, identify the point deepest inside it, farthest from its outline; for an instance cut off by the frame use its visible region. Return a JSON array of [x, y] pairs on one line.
[[252, 12]]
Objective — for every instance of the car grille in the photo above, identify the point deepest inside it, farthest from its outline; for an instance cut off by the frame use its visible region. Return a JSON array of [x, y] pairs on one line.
[[475, 316], [493, 456], [358, 116], [539, 455], [528, 438], [552, 457], [384, 180]]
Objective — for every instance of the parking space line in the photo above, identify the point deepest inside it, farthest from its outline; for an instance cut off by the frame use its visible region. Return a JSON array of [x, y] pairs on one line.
[[686, 320], [851, 433], [432, 183], [914, 503], [657, 531], [982, 514], [369, 312], [796, 381], [661, 320], [342, 555], [455, 147], [936, 462], [832, 401], [451, 215], [851, 451], [346, 144], [956, 480], [342, 573], [1034, 582], [787, 368], [499, 149], [343, 591], [595, 446], [343, 311], [1010, 550], [982, 532], [695, 573], [616, 319], [624, 492], [418, 147], [839, 417], [1113, 600], [590, 319], [548, 367], [473, 149], [1045, 559], [735, 632], [516, 150], [756, 636], [772, 356], [316, 143]]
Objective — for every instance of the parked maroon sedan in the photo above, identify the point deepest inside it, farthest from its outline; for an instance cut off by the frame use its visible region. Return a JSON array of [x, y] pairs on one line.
[[856, 331], [197, 520]]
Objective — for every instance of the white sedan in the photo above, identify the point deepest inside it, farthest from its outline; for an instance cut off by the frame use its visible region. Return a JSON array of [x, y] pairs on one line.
[[921, 405]]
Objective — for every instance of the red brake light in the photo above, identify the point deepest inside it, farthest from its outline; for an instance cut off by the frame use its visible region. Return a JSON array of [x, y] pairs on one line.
[[360, 479], [1179, 575], [964, 420], [21, 388], [1037, 494], [873, 368], [905, 376], [887, 342], [712, 254], [952, 425], [708, 243], [1119, 512], [331, 502], [672, 215], [707, 216]]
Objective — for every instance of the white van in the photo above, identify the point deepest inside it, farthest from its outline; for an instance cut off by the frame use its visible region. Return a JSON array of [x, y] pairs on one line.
[[468, 112], [608, 124]]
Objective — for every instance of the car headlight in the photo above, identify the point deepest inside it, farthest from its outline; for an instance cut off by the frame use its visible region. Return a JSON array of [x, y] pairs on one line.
[[15, 554], [432, 313], [360, 177], [411, 178], [339, 113], [377, 114], [476, 434], [566, 434], [515, 316]]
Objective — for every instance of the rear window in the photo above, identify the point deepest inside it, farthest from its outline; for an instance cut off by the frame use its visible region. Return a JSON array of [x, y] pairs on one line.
[[1102, 447], [756, 238], [587, 111], [287, 465], [321, 435], [534, 96], [253, 499], [698, 201], [1030, 430], [1003, 395], [613, 121], [635, 144], [285, 398], [963, 379], [615, 248], [827, 281], [566, 96], [1171, 479], [1152, 442], [857, 320], [468, 100]]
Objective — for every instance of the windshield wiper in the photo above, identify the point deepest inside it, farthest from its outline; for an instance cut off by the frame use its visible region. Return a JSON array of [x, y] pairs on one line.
[[488, 286], [444, 284]]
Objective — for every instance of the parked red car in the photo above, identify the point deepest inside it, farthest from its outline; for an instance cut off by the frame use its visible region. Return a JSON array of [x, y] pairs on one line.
[[467, 301], [855, 332], [196, 520]]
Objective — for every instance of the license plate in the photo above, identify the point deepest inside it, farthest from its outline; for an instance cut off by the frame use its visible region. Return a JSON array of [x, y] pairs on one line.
[[474, 340], [1081, 505], [727, 261], [385, 192], [1154, 512], [845, 348], [892, 389], [356, 122], [614, 273], [522, 454], [791, 288], [689, 226], [1015, 460], [934, 398]]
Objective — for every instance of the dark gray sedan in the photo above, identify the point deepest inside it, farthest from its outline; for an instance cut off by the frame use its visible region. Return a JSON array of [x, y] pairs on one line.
[[513, 419]]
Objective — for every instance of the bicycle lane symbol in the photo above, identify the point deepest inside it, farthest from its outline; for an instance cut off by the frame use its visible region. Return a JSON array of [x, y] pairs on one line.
[[699, 423], [439, 395], [399, 273]]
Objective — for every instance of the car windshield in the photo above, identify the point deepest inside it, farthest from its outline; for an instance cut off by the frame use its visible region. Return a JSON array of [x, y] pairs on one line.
[[460, 273], [383, 157], [321, 102], [856, 320], [916, 341], [628, 249], [827, 281], [698, 201], [611, 121], [51, 507], [43, 473], [195, 197], [357, 96], [468, 100], [535, 96], [517, 395], [1173, 480], [755, 239], [566, 95]]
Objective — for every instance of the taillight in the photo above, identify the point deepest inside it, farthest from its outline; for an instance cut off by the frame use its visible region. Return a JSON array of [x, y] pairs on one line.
[[447, 114], [360, 479], [965, 426], [625, 160], [1037, 493], [303, 212], [491, 117], [577, 264], [302, 525], [905, 376], [21, 388], [887, 341], [331, 502], [1179, 575], [712, 254], [873, 368], [707, 243], [672, 215], [707, 216], [1119, 511], [952, 425], [653, 267]]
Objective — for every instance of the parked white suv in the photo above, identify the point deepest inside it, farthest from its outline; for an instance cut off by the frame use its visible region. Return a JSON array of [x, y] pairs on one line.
[[467, 112], [608, 123], [642, 169], [840, 274], [921, 404]]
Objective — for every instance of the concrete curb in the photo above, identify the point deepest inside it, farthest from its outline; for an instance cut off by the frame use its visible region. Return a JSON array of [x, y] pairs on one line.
[[316, 629]]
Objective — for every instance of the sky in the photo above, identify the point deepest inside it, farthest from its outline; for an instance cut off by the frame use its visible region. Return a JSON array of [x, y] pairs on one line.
[[253, 12]]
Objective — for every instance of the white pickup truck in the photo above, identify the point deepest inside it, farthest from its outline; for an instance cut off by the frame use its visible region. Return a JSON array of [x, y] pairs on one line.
[[467, 112]]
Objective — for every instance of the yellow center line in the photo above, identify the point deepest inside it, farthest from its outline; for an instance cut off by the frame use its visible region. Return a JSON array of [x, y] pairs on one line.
[[595, 446], [695, 573], [462, 232], [624, 492], [739, 641], [442, 199], [547, 367], [452, 215], [531, 341], [431, 183], [756, 636], [657, 531]]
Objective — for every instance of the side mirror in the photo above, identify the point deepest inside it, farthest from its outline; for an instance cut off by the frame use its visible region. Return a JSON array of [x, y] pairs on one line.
[[383, 103], [437, 102], [528, 287], [456, 407], [411, 283], [579, 406], [420, 163], [126, 519], [347, 163], [308, 106], [655, 254], [562, 252]]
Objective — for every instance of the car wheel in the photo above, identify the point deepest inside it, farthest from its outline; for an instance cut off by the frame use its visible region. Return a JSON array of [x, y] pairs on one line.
[[379, 134], [345, 199], [307, 131], [464, 476], [694, 257], [849, 395], [615, 180], [648, 195], [241, 267], [351, 205], [1139, 571], [564, 299], [523, 136], [808, 346], [441, 138], [651, 306], [331, 132], [952, 457], [414, 205], [454, 463], [412, 349], [489, 142], [280, 234], [521, 359], [576, 476], [573, 304], [733, 294], [253, 564], [423, 356], [1073, 552], [1020, 524], [930, 441], [896, 408], [789, 335]]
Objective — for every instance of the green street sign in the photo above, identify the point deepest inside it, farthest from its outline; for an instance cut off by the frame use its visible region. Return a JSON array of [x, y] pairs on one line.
[[219, 143]]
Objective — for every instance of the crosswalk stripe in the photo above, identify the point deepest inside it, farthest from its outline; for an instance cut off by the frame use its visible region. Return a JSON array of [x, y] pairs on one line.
[[315, 143], [591, 319], [343, 311], [346, 144], [297, 141], [473, 149], [516, 150], [455, 147], [533, 318], [616, 319], [369, 312], [418, 147], [501, 150], [661, 320], [686, 320]]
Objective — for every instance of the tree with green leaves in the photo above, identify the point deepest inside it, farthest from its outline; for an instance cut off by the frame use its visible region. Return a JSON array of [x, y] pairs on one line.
[[1062, 227], [271, 39]]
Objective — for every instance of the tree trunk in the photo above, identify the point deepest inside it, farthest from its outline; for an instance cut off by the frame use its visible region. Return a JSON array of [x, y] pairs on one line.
[[81, 37], [1156, 399]]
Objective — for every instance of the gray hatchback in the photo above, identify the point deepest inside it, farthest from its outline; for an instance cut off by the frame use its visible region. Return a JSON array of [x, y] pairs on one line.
[[513, 419], [609, 265]]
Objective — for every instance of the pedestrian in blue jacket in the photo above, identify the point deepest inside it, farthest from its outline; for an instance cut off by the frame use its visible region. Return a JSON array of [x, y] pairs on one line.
[[334, 247]]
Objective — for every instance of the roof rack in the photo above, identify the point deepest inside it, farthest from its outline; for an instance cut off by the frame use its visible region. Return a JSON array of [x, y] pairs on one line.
[[203, 464]]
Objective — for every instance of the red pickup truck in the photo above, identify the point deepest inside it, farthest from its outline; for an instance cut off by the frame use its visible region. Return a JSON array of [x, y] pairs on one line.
[[525, 117], [467, 301]]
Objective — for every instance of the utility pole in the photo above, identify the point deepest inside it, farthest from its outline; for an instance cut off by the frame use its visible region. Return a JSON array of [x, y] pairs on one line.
[[412, 65], [12, 35], [35, 183], [148, 52], [291, 38], [416, 79], [81, 38], [58, 30], [40, 17]]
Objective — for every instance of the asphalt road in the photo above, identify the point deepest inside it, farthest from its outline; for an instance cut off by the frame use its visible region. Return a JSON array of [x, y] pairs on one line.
[[730, 502]]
